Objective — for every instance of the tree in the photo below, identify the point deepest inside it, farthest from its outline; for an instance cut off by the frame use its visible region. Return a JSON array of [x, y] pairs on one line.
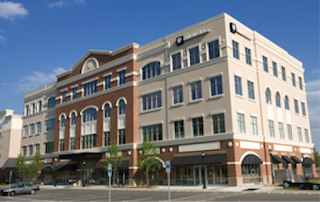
[[114, 158], [316, 157], [35, 166], [20, 166], [147, 160]]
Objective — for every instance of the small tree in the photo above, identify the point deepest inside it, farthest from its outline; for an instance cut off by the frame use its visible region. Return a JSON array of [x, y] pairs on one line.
[[20, 166], [35, 166], [114, 158], [316, 157], [147, 159]]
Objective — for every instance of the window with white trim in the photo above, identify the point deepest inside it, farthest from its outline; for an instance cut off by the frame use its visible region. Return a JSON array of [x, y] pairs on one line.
[[283, 70], [38, 127], [275, 69], [90, 88], [122, 77], [251, 90], [107, 111], [293, 77], [218, 123], [241, 123], [238, 85], [289, 128], [196, 91], [303, 108], [268, 96], [248, 56], [177, 95], [216, 85], [235, 49], [197, 125], [52, 102], [265, 63], [178, 129], [278, 101], [254, 127], [64, 96], [30, 150], [72, 143], [32, 129], [151, 101], [176, 61], [152, 133], [281, 133], [106, 139], [194, 55], [214, 49], [299, 134], [49, 147], [296, 106], [74, 93], [88, 141], [73, 118], [107, 81], [50, 124], [300, 83], [40, 106], [122, 136], [286, 103], [122, 107], [306, 134], [24, 150], [89, 115], [271, 128], [151, 70]]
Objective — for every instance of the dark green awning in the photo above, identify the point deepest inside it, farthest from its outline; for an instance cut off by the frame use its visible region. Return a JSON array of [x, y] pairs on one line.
[[197, 160]]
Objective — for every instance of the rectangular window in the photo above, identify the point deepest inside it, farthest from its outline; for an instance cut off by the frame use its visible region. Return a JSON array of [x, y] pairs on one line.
[[30, 150], [49, 147], [214, 49], [281, 130], [238, 85], [299, 134], [241, 123], [40, 106], [218, 123], [152, 133], [88, 141], [254, 127], [271, 128], [90, 88], [108, 82], [300, 83], [64, 96], [178, 129], [72, 143], [303, 109], [151, 101], [248, 56], [38, 127], [306, 135], [275, 69], [196, 91], [37, 147], [25, 131], [197, 125], [122, 136], [289, 132], [61, 144], [24, 150], [32, 129], [27, 110], [251, 90], [176, 61], [235, 49], [194, 56], [293, 77], [106, 139], [283, 70], [177, 95], [122, 77], [265, 64], [50, 124], [33, 108], [216, 85], [74, 93], [296, 106]]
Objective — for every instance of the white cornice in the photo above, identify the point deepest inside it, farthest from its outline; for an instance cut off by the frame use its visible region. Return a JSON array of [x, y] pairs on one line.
[[153, 51]]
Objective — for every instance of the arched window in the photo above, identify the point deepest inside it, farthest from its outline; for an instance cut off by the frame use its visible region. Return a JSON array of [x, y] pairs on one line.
[[73, 118], [286, 103], [122, 107], [151, 70], [89, 115], [52, 102], [63, 121], [107, 111], [268, 96], [278, 102]]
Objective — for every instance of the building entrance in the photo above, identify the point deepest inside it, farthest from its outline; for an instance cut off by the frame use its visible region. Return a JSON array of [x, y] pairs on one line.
[[88, 176]]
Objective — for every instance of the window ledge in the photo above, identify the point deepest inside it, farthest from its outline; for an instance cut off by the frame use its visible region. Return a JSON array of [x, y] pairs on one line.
[[240, 96], [151, 110], [198, 100], [178, 104], [251, 100], [24, 137], [216, 96], [31, 135], [37, 134]]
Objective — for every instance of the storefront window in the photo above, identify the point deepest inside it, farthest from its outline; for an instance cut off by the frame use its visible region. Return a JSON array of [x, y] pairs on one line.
[[251, 173]]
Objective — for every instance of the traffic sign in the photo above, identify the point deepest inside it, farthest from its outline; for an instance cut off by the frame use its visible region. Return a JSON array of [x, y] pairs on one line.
[[109, 170], [168, 167]]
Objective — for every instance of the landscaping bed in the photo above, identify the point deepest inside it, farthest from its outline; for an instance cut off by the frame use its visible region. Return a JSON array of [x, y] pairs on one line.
[[301, 185]]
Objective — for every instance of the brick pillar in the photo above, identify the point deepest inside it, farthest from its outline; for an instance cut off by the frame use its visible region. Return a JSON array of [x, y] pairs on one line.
[[67, 134], [99, 135], [133, 169], [78, 132], [234, 175]]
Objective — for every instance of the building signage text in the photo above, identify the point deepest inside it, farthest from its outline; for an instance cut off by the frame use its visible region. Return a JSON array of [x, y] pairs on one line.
[[233, 29], [181, 39]]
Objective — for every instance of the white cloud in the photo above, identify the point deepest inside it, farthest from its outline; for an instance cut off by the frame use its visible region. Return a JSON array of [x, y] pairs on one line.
[[38, 79], [58, 4], [79, 1], [11, 11], [3, 39], [311, 85], [315, 71]]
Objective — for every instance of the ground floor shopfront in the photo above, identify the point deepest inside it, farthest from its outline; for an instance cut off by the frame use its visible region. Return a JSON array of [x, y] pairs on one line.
[[229, 165]]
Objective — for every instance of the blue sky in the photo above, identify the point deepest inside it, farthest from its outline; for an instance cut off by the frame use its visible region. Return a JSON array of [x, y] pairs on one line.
[[42, 38]]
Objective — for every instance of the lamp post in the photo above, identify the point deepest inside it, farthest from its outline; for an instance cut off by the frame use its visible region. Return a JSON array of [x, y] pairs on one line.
[[270, 152], [303, 167], [204, 175], [84, 174], [55, 175]]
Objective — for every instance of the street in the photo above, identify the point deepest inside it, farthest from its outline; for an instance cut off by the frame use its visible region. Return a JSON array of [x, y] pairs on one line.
[[159, 195]]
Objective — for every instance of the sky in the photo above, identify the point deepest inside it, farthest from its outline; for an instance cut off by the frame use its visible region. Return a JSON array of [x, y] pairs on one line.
[[40, 39]]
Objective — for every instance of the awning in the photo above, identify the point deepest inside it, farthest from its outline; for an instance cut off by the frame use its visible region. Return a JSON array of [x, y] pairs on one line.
[[288, 160], [276, 159], [65, 167], [81, 156], [123, 164], [308, 160], [251, 159], [47, 169], [197, 160], [295, 159]]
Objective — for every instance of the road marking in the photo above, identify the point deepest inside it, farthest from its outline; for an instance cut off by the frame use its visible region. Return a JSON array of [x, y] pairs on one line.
[[116, 198], [257, 192], [281, 192], [245, 192], [269, 192], [295, 193], [195, 191], [140, 199], [310, 193], [224, 192], [214, 191]]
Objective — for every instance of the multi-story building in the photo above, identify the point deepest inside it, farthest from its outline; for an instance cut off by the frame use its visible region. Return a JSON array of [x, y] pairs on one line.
[[10, 141], [216, 88]]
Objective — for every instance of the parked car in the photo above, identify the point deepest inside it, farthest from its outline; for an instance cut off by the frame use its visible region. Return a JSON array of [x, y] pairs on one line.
[[20, 188]]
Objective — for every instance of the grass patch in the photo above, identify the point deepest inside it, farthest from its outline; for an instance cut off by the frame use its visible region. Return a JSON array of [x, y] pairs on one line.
[[315, 181]]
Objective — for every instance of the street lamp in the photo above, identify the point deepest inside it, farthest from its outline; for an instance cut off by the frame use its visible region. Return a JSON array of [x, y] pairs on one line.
[[204, 177], [270, 152], [303, 166], [84, 169], [55, 175]]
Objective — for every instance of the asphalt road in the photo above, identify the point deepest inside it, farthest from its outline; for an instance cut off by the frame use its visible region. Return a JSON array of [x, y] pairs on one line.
[[47, 195]]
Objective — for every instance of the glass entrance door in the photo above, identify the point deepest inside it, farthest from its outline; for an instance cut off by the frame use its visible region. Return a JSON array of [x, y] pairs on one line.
[[198, 174]]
